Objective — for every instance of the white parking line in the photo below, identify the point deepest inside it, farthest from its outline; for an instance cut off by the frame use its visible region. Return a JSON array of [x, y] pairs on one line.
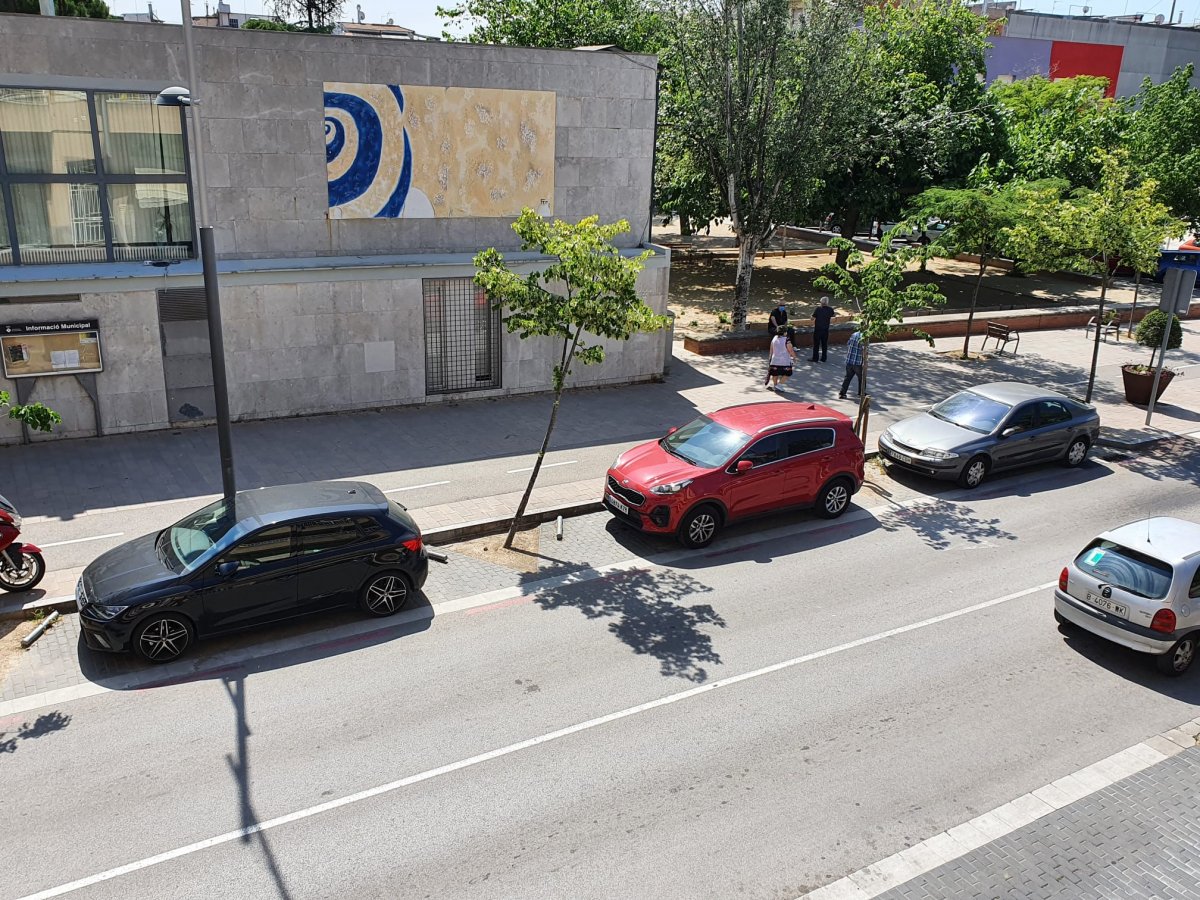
[[97, 537], [569, 462], [461, 764], [413, 487]]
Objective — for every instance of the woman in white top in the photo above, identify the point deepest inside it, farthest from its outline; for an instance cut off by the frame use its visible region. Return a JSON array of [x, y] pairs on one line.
[[781, 359]]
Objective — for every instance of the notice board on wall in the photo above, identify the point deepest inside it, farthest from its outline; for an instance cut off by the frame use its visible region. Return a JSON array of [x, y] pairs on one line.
[[51, 348]]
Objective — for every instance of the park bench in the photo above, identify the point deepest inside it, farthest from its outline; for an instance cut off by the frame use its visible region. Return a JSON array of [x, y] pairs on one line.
[[1110, 326], [1003, 334]]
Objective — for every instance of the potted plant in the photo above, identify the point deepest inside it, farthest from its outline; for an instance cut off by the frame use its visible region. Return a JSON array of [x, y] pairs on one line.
[[1139, 378]]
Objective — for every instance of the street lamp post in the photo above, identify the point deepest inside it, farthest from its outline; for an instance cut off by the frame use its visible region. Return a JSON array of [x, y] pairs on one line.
[[190, 98]]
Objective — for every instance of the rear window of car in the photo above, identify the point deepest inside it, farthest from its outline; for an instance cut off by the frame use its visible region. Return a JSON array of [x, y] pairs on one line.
[[1129, 570]]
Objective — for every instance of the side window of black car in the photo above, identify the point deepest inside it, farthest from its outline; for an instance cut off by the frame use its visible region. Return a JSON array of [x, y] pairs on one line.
[[325, 534], [370, 529], [266, 546], [1051, 412]]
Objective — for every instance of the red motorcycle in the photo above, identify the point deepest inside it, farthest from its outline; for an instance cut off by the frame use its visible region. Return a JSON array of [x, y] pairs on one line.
[[21, 565]]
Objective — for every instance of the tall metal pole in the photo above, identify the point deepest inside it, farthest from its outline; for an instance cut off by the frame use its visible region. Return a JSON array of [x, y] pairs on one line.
[[208, 258], [1162, 357]]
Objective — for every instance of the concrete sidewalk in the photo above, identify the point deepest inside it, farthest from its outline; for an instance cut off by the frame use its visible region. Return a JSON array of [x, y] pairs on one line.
[[65, 480]]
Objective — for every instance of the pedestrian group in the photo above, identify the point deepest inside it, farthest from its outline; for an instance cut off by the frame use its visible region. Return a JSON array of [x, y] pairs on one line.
[[781, 356]]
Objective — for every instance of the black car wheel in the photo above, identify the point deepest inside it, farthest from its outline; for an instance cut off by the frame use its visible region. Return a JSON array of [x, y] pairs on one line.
[[163, 638], [1179, 658], [834, 498], [385, 594], [1077, 452], [699, 527], [973, 472]]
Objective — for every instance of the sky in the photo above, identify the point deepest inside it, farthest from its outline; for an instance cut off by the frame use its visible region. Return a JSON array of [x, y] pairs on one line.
[[421, 15]]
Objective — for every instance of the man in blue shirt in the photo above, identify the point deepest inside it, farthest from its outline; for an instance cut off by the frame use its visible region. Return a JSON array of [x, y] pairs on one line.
[[854, 363]]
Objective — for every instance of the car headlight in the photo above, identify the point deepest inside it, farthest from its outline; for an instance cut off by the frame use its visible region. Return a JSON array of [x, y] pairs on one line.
[[617, 462], [939, 454], [673, 488], [106, 612]]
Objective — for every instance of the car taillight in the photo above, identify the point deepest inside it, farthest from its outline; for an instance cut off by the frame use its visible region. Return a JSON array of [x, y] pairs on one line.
[[1062, 580], [413, 544], [1164, 621]]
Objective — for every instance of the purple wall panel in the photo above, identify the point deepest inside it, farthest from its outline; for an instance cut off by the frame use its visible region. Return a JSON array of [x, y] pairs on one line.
[[1018, 57]]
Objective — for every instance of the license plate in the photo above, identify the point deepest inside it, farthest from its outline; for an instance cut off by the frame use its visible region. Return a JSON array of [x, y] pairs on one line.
[[1107, 605], [900, 457], [618, 505]]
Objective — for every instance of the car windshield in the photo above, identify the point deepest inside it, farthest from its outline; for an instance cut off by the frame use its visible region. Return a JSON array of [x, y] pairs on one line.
[[183, 544], [966, 409], [1126, 569], [704, 443]]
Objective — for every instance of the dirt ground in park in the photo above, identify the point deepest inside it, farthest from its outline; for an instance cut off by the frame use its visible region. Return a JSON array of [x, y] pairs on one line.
[[702, 286]]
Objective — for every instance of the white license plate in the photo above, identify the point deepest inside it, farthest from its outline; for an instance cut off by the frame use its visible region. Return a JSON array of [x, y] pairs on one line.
[[900, 457], [1107, 605], [618, 505]]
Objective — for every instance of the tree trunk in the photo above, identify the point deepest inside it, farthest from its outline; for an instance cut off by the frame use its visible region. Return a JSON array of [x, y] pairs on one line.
[[685, 225], [747, 250], [1099, 330], [971, 312], [849, 227]]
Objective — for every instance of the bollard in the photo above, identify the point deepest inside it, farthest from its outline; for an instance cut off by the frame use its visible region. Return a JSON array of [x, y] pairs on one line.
[[558, 529], [437, 557], [28, 640]]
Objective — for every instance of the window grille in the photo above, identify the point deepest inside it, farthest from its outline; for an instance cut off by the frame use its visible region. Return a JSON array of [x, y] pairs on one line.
[[462, 337]]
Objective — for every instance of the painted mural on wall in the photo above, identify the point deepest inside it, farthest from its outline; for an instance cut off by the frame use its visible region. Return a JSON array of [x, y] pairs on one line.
[[1010, 58], [401, 151]]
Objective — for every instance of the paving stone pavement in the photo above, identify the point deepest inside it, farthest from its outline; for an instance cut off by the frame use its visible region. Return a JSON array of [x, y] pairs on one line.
[[1135, 839]]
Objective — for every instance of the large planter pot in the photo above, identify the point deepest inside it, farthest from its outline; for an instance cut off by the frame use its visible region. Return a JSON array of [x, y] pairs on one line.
[[1138, 385]]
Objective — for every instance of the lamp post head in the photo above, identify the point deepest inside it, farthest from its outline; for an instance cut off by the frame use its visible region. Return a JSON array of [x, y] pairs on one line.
[[174, 96]]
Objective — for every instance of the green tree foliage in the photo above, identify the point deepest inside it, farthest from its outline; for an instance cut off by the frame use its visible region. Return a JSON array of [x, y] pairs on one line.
[[319, 15], [755, 98], [35, 415], [921, 114], [1150, 333], [1094, 231], [875, 286], [630, 24], [587, 293], [978, 221], [1053, 129], [268, 25], [1163, 138], [82, 9]]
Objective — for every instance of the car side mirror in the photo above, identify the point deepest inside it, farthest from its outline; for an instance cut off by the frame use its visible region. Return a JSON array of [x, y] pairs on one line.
[[671, 430], [1009, 432], [228, 567], [744, 465]]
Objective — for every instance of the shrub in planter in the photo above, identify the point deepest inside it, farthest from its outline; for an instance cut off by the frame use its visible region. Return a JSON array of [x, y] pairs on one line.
[[1138, 377]]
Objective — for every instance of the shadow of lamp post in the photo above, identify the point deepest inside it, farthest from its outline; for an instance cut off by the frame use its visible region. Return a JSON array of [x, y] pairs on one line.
[[189, 97]]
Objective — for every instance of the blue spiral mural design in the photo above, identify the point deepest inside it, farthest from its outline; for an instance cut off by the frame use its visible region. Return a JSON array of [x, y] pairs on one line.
[[367, 136]]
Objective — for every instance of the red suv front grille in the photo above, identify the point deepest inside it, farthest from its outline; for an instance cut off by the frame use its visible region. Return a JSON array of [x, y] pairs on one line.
[[634, 498]]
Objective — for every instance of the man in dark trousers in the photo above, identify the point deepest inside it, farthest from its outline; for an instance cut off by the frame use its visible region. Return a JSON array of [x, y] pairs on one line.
[[777, 320], [821, 318]]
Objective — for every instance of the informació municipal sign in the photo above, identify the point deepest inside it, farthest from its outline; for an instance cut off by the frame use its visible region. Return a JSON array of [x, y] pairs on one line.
[[34, 349]]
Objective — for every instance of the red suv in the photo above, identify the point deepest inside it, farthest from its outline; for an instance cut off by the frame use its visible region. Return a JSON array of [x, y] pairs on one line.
[[740, 461]]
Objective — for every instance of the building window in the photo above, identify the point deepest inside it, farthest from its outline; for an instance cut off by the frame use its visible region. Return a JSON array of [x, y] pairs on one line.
[[92, 176], [462, 337]]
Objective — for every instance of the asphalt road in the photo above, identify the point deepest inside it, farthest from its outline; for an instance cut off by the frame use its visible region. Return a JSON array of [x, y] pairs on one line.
[[753, 721]]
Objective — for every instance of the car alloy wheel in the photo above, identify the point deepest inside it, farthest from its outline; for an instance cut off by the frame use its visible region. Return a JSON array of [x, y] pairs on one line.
[[973, 473], [834, 499], [163, 639], [699, 527], [385, 594], [1077, 452], [1179, 658]]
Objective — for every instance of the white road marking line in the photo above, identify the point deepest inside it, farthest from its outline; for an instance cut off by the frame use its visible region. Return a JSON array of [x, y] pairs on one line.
[[490, 755], [569, 462], [949, 845], [98, 537], [413, 487]]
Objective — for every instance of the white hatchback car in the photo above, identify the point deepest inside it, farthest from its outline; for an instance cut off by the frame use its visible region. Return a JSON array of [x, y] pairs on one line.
[[1138, 586]]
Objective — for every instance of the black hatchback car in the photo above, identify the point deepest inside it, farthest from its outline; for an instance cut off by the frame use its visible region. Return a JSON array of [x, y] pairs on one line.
[[274, 553]]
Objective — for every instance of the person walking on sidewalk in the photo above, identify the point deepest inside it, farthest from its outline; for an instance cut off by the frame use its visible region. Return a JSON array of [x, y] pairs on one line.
[[854, 363], [821, 318], [781, 359]]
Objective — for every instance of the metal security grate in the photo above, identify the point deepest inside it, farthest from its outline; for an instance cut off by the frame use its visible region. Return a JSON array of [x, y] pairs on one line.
[[462, 337], [182, 305]]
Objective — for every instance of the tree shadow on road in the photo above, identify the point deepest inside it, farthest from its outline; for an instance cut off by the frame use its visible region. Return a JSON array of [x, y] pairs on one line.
[[46, 723], [941, 524], [650, 612]]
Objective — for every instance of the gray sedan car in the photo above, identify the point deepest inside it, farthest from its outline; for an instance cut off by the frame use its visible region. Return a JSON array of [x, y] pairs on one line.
[[991, 427]]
